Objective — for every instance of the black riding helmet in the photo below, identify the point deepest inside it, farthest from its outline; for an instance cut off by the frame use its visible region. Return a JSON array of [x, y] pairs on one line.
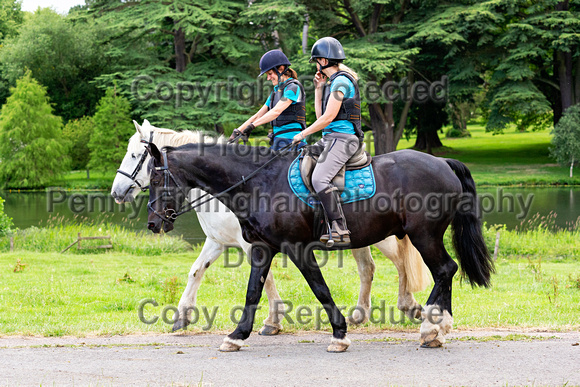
[[328, 48], [272, 60]]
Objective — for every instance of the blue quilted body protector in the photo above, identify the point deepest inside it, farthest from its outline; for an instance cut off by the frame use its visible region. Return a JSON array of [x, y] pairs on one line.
[[359, 185]]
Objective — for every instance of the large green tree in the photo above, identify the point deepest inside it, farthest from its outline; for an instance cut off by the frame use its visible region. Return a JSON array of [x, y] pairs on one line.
[[112, 130], [10, 19], [32, 150], [63, 55]]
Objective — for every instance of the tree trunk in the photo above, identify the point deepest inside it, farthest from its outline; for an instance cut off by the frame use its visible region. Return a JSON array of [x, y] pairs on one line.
[[571, 166], [305, 34], [427, 140], [381, 128], [565, 79], [180, 56]]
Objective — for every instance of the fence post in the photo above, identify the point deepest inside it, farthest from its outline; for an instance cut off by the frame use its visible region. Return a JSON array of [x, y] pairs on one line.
[[79, 244], [11, 243], [496, 249]]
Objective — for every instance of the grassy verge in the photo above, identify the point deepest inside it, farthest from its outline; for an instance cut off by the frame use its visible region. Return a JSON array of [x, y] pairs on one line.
[[512, 158], [54, 294]]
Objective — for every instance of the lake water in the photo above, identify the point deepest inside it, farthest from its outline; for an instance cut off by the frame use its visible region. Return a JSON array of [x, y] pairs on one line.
[[500, 205]]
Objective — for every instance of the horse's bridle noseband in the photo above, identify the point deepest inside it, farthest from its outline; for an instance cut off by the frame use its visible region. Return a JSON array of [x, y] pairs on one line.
[[166, 176], [139, 165]]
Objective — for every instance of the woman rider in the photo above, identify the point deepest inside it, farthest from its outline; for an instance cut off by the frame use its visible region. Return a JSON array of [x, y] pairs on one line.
[[337, 104], [284, 108]]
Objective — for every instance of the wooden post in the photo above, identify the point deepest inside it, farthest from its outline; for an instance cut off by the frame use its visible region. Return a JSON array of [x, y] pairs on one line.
[[496, 250], [79, 244], [88, 175], [11, 243]]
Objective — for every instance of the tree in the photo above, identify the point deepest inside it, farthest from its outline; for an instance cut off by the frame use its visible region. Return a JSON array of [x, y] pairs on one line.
[[566, 140], [535, 63], [78, 134], [32, 150], [112, 130], [63, 55], [5, 221], [10, 20]]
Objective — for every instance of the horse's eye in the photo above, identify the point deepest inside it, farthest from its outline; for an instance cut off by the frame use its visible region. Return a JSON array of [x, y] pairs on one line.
[[133, 155]]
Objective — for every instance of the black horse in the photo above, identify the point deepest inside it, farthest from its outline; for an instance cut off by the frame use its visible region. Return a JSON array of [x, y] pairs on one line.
[[417, 195]]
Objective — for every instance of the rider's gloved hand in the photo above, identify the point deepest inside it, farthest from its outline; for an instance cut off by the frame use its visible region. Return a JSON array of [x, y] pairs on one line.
[[236, 134]]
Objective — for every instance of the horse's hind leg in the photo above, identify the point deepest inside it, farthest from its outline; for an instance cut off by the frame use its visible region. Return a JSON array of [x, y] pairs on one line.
[[209, 254], [306, 263], [413, 276], [437, 315], [276, 309], [366, 271]]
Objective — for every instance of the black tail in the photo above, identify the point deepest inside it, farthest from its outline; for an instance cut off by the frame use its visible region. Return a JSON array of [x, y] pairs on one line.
[[473, 255]]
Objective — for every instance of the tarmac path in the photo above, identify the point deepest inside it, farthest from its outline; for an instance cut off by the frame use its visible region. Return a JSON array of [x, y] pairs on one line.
[[474, 358]]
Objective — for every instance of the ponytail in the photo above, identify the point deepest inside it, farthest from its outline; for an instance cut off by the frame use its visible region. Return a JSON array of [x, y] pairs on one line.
[[343, 67]]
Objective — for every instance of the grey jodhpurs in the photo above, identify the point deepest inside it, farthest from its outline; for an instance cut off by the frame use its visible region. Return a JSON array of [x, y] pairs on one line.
[[338, 148]]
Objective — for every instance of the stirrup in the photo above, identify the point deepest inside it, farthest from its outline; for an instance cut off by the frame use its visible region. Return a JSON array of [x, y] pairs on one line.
[[340, 237]]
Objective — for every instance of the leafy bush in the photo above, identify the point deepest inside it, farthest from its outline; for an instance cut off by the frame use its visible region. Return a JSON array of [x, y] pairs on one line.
[[5, 221]]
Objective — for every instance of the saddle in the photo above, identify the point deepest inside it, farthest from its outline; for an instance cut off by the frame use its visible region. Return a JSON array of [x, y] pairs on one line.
[[310, 154]]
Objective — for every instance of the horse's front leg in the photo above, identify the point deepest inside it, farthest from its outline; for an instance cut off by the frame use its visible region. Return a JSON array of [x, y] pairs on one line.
[[366, 271], [261, 259], [209, 254], [305, 260]]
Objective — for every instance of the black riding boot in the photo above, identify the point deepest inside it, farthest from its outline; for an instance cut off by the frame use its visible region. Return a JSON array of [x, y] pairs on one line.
[[330, 200]]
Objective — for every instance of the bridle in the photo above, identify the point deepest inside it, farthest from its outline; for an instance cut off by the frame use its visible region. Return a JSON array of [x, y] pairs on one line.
[[173, 214], [139, 165]]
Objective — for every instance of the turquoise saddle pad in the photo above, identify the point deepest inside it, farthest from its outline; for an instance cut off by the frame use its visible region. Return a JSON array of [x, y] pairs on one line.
[[359, 184]]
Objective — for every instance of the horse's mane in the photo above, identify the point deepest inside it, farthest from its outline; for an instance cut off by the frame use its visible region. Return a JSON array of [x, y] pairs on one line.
[[186, 137]]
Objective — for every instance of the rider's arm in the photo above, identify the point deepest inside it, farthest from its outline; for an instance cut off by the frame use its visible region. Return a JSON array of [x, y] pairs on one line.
[[334, 103], [273, 113], [253, 118]]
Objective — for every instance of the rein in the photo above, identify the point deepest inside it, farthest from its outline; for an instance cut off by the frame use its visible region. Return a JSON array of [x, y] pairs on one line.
[[192, 205], [139, 165]]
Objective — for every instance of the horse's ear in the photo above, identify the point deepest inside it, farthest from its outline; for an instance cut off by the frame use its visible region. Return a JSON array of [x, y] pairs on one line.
[[138, 128], [154, 152], [146, 122]]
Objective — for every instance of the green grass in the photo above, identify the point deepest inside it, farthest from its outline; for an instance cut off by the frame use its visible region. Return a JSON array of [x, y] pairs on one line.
[[77, 180], [56, 294], [511, 158]]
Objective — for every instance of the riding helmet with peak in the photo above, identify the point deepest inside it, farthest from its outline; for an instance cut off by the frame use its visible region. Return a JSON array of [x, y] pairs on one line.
[[328, 48], [272, 60]]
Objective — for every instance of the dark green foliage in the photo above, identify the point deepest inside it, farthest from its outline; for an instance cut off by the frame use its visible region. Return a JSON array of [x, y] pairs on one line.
[[78, 134], [62, 55], [112, 130], [32, 150]]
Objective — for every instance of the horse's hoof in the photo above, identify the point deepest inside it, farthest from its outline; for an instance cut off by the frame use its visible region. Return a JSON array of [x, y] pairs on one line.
[[230, 345], [338, 345], [432, 344], [269, 330], [180, 324]]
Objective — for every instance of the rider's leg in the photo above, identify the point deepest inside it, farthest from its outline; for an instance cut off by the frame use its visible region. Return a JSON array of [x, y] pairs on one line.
[[338, 148]]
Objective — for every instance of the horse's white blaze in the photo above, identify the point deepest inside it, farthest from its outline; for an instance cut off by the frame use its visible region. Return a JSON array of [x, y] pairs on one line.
[[223, 230]]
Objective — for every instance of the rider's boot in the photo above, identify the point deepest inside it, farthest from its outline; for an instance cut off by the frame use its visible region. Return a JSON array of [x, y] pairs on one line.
[[330, 200]]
